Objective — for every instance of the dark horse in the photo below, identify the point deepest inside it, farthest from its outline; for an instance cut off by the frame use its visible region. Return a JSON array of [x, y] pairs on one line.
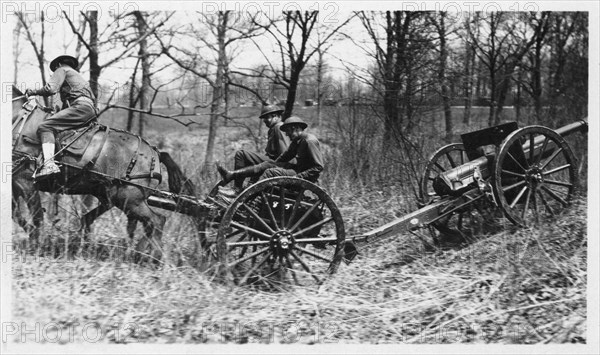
[[116, 167]]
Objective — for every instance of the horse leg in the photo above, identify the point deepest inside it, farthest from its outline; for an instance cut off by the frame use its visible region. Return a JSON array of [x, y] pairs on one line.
[[90, 217], [34, 203], [153, 226]]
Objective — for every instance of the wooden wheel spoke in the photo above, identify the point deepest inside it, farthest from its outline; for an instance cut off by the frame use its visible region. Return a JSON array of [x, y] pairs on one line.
[[268, 204], [515, 185], [254, 268], [516, 161], [233, 234], [441, 168], [555, 170], [449, 157], [531, 147], [551, 158], [313, 254], [514, 203], [250, 230], [558, 183], [311, 227], [546, 204], [554, 195], [258, 218], [306, 214], [282, 205], [295, 209], [291, 268], [305, 266], [248, 257], [512, 173], [542, 150]]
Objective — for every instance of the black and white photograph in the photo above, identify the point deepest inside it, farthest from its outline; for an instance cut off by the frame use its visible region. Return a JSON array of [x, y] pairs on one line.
[[300, 177]]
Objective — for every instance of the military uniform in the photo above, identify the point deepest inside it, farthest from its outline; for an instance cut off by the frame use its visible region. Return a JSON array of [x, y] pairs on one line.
[[79, 103], [306, 149], [277, 143], [79, 107]]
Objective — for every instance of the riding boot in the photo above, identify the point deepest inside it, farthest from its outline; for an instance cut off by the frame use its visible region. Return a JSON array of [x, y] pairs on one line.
[[237, 174], [49, 167]]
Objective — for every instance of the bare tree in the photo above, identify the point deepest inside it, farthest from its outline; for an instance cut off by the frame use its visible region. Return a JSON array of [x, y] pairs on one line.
[[37, 45], [294, 35], [219, 35]]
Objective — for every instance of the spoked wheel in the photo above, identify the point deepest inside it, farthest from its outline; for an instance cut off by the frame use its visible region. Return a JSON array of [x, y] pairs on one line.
[[281, 231], [445, 158], [463, 224], [533, 183]]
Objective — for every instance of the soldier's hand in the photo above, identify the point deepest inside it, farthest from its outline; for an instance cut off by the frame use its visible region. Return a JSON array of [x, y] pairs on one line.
[[29, 92]]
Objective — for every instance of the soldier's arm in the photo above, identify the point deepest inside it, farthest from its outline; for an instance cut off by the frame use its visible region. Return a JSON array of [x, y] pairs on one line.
[[53, 85], [289, 154], [281, 143], [316, 157]]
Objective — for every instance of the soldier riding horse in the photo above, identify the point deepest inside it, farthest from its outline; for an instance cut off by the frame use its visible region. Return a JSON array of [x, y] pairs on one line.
[[115, 166]]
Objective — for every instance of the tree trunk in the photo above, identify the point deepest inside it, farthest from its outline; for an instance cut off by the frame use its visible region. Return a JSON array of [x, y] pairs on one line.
[[217, 87], [133, 98], [93, 52], [443, 63], [142, 28]]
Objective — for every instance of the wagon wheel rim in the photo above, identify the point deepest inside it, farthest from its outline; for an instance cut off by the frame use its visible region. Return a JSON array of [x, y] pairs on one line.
[[530, 185], [259, 243], [445, 158]]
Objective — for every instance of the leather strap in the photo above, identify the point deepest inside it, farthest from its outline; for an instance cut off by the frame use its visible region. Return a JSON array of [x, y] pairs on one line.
[[133, 160]]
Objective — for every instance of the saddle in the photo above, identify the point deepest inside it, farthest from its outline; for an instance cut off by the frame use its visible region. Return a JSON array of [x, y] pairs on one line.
[[75, 142]]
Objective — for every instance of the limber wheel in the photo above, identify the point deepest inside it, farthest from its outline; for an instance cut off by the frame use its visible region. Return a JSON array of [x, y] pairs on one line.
[[282, 230], [529, 183], [445, 158]]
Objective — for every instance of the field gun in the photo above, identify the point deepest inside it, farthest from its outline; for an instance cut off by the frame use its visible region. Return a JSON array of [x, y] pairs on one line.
[[527, 173], [456, 180]]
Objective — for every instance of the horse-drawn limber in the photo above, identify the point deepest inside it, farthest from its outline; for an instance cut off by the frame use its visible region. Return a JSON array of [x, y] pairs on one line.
[[288, 229]]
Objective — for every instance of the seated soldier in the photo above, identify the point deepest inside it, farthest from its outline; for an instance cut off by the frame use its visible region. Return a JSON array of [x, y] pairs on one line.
[[277, 143], [79, 106], [305, 147]]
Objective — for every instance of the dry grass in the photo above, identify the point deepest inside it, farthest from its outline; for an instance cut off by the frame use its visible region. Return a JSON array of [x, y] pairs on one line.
[[516, 286]]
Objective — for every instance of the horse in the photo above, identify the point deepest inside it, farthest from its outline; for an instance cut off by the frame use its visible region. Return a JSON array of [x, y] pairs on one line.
[[117, 167]]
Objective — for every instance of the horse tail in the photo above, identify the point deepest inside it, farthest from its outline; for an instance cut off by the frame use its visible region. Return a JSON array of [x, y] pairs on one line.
[[178, 182]]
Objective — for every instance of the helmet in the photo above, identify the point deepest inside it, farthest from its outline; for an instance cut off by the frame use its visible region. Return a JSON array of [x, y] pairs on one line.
[[66, 59], [267, 109], [294, 120]]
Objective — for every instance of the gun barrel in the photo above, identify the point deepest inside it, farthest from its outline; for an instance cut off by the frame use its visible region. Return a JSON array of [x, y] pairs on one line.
[[457, 180]]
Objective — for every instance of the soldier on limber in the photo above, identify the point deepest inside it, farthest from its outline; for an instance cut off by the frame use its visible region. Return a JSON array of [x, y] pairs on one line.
[[304, 147]]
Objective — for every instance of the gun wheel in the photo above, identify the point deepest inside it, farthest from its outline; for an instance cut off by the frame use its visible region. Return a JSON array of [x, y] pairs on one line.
[[445, 158], [281, 231], [530, 184]]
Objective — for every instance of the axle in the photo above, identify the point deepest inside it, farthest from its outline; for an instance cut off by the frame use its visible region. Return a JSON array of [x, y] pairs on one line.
[[457, 180]]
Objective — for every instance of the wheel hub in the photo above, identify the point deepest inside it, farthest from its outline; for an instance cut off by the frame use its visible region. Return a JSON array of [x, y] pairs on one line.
[[281, 242], [535, 176]]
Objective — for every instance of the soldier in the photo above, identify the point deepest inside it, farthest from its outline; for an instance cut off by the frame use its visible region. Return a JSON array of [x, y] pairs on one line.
[[305, 147], [79, 106], [277, 143]]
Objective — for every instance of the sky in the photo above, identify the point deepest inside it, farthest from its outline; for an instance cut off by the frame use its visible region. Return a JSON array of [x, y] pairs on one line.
[[60, 39]]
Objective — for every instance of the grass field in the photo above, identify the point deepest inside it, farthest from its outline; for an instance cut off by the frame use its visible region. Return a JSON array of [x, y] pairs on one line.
[[509, 286]]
